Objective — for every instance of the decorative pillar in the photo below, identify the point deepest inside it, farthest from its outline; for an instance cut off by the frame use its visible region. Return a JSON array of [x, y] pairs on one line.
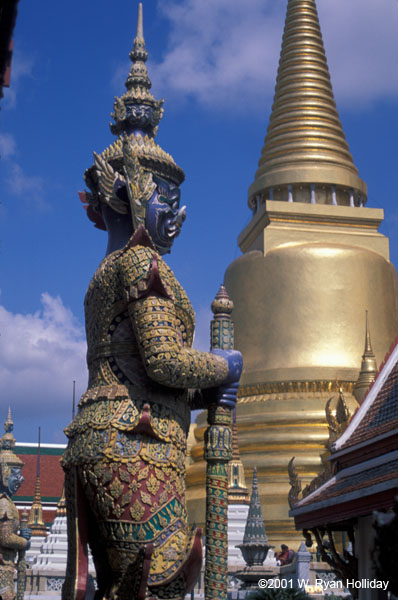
[[218, 453]]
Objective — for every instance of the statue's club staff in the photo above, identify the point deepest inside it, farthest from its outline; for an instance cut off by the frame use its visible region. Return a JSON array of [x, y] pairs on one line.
[[218, 453]]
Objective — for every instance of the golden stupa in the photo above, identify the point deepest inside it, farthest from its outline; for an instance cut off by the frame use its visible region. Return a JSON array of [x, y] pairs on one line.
[[313, 263]]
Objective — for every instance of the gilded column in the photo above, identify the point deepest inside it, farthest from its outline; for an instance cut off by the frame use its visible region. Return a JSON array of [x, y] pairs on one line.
[[217, 453]]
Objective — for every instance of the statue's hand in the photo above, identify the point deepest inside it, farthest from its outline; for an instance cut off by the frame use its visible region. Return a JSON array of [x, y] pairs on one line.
[[26, 533], [226, 394], [235, 364]]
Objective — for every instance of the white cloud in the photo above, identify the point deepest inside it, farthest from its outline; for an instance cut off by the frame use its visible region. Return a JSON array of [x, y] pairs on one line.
[[21, 66], [361, 45], [225, 54], [28, 187], [8, 146], [40, 355]]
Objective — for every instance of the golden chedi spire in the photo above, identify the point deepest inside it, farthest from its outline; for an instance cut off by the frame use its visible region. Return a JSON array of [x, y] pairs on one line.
[[309, 263], [237, 489], [35, 521], [368, 370], [305, 157]]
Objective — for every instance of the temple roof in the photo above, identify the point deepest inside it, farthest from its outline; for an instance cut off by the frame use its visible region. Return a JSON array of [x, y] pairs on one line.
[[51, 476], [378, 414], [364, 458], [352, 483]]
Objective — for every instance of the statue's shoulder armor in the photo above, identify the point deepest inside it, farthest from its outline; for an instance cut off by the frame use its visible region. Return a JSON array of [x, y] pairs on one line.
[[135, 261], [7, 508], [143, 273]]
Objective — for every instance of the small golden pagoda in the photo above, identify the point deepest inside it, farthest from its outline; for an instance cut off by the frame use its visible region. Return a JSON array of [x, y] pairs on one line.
[[61, 506], [313, 262], [368, 370], [35, 520], [237, 488]]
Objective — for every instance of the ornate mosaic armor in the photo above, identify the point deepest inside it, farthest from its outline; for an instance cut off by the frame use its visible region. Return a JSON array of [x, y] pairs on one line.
[[10, 544], [13, 540], [125, 462], [128, 440]]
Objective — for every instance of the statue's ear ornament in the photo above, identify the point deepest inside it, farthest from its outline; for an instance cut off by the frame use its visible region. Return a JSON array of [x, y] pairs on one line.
[[138, 182], [107, 178], [5, 471]]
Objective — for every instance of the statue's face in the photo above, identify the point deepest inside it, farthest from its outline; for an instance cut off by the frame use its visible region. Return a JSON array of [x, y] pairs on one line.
[[164, 217], [15, 480]]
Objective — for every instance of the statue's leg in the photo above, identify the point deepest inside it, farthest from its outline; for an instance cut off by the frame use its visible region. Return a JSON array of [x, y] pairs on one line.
[[122, 562], [74, 587], [103, 571], [186, 577], [7, 590]]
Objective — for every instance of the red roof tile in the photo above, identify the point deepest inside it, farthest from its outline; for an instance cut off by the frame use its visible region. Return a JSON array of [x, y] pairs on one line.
[[51, 473]]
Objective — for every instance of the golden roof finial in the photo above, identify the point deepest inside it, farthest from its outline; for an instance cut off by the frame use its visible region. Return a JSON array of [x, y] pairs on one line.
[[35, 521], [61, 506], [305, 144], [368, 344], [368, 370]]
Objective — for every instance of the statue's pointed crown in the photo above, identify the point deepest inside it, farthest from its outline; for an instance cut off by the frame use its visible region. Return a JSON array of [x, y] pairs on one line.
[[136, 118], [305, 141], [137, 108], [8, 458]]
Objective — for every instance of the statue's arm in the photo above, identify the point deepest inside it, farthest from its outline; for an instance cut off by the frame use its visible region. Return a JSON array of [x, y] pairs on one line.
[[165, 358], [9, 539]]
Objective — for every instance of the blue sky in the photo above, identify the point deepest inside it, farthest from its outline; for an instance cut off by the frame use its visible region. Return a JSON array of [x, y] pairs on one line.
[[215, 63]]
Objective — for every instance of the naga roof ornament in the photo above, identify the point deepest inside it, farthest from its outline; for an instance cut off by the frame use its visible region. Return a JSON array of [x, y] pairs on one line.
[[134, 154]]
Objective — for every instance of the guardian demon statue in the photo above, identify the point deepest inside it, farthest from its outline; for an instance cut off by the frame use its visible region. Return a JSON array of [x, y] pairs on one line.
[[14, 540], [125, 461]]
